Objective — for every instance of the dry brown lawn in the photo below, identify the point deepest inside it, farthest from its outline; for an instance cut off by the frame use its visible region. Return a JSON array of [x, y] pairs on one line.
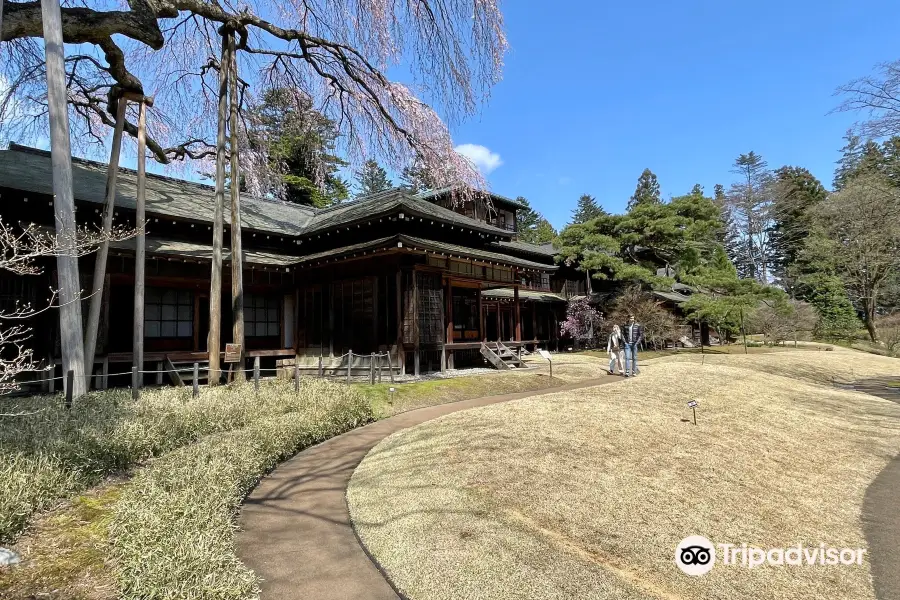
[[586, 494]]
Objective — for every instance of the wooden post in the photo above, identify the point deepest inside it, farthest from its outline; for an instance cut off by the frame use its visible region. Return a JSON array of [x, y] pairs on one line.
[[256, 373], [349, 364], [135, 388], [105, 380], [70, 327], [449, 305], [499, 335], [112, 170], [237, 260], [70, 381], [372, 369], [443, 358], [481, 332], [196, 379], [401, 353], [390, 367], [534, 334], [214, 339], [140, 254], [321, 370], [380, 361], [416, 356], [297, 375], [159, 374], [518, 314]]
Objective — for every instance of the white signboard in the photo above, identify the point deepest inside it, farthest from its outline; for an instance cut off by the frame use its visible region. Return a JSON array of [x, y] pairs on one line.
[[544, 354], [693, 404]]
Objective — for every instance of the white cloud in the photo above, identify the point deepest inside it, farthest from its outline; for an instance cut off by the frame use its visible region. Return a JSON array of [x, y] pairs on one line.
[[481, 157]]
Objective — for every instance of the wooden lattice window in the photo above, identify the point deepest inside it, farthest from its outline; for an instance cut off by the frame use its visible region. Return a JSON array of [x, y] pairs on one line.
[[262, 316], [168, 313]]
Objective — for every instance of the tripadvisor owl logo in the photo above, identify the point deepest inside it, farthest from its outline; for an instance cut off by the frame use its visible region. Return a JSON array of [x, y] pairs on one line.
[[695, 555]]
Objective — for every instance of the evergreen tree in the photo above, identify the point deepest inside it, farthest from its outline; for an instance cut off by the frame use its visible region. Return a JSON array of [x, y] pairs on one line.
[[416, 180], [531, 226], [647, 190], [371, 179], [697, 190], [749, 201], [848, 163], [544, 232], [797, 192], [299, 144], [727, 236], [587, 209]]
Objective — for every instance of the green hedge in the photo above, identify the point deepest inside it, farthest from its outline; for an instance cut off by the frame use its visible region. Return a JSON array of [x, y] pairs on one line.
[[172, 531], [51, 452]]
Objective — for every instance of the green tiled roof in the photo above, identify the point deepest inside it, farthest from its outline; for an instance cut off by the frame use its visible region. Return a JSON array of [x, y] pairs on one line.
[[531, 295], [431, 194], [423, 244], [30, 170], [389, 202], [176, 248], [526, 248]]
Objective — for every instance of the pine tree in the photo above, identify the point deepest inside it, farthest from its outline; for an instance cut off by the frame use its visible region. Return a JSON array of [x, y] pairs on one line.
[[299, 143], [797, 191], [531, 226], [749, 201], [371, 179], [647, 190], [416, 180], [587, 209], [727, 235], [697, 190]]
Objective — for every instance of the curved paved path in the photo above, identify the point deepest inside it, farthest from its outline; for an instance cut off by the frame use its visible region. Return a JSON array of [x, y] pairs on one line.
[[880, 514], [295, 530]]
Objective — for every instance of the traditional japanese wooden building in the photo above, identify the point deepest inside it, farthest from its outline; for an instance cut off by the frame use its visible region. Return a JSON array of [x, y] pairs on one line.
[[421, 277]]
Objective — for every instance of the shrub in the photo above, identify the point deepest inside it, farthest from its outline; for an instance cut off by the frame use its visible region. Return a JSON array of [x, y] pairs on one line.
[[50, 452], [659, 324], [173, 527], [889, 333]]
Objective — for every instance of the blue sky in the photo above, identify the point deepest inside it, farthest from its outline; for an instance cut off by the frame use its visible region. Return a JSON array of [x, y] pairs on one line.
[[594, 92]]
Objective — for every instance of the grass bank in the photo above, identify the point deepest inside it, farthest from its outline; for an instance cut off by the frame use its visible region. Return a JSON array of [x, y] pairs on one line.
[[165, 533], [586, 494]]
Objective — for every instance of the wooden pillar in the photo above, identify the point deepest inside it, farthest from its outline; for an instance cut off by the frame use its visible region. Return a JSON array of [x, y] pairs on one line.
[[481, 332], [449, 306], [518, 314], [196, 323], [415, 295], [499, 329], [112, 170], [534, 320], [237, 254], [70, 327], [330, 319], [214, 339], [401, 354], [140, 255]]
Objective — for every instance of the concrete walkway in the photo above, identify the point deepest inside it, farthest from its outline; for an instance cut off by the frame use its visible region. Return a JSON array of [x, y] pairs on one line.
[[295, 530]]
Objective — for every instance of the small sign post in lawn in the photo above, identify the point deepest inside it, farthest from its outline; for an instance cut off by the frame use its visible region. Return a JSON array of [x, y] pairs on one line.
[[693, 404], [546, 354]]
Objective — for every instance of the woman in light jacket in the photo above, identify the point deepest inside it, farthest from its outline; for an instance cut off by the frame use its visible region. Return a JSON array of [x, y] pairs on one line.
[[614, 346]]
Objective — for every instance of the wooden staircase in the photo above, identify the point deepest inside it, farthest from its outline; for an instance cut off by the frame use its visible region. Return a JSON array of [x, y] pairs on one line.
[[502, 357]]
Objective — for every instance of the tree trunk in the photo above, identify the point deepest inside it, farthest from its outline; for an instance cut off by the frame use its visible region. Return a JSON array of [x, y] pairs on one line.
[[213, 340], [870, 319], [93, 323], [237, 259], [140, 252], [743, 331], [70, 328]]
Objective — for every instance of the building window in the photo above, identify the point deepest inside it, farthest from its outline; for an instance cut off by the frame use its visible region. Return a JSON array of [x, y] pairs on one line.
[[262, 317], [168, 313]]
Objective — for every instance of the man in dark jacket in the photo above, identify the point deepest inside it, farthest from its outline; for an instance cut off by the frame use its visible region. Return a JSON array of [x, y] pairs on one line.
[[632, 334]]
